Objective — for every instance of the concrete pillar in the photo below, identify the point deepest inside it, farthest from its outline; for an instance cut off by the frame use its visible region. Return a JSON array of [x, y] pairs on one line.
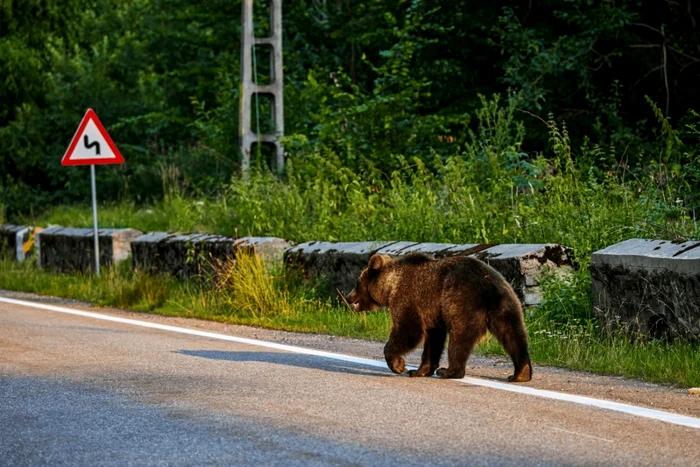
[[248, 88]]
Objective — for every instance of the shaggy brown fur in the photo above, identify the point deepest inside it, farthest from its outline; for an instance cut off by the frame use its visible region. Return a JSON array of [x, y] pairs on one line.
[[428, 299]]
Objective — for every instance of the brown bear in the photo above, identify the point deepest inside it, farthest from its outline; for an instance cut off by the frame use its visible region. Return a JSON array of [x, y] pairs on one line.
[[428, 299]]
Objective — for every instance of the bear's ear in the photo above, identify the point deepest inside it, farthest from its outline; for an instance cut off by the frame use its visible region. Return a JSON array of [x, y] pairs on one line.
[[376, 261]]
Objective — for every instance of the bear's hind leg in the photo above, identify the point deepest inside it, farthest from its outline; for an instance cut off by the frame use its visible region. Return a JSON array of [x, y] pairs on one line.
[[508, 327], [463, 339], [432, 351]]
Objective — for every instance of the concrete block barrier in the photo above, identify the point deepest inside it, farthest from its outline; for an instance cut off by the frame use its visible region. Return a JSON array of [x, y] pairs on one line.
[[70, 249], [340, 264], [271, 249], [13, 239], [337, 263], [523, 263], [648, 287], [181, 255], [189, 255]]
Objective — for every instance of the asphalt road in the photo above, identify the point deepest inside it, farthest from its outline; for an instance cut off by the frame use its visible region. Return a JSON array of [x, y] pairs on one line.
[[79, 391]]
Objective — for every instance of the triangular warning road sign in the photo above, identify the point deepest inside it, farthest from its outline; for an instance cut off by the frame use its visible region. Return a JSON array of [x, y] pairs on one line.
[[91, 144]]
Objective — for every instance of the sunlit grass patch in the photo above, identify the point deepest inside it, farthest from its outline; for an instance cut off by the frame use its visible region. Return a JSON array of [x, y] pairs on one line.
[[258, 298]]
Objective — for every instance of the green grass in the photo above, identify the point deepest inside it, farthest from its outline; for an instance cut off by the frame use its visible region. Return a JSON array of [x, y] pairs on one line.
[[261, 301], [246, 293], [450, 206]]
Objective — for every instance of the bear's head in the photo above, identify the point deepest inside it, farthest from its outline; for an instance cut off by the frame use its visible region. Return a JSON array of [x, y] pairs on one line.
[[366, 296]]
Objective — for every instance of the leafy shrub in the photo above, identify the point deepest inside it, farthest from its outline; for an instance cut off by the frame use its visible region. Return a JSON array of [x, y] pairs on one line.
[[566, 299]]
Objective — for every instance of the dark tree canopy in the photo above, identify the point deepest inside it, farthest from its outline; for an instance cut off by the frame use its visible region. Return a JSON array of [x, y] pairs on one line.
[[371, 82]]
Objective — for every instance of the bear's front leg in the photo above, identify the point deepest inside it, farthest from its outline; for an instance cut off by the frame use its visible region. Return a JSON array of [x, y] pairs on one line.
[[393, 357], [406, 334], [396, 364]]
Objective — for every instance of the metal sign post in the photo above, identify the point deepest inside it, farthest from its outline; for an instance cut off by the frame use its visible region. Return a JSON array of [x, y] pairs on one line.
[[94, 220], [92, 145]]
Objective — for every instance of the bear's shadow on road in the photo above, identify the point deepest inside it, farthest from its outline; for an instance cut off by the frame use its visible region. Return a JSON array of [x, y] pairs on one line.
[[289, 359]]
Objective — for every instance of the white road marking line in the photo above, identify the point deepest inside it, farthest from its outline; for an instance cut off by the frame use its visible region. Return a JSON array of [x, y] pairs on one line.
[[576, 433], [660, 415]]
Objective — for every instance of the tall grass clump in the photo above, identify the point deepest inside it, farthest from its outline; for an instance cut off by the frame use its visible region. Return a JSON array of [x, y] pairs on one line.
[[247, 287], [250, 291]]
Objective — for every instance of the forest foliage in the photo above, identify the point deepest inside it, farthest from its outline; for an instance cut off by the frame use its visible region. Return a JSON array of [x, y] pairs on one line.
[[370, 86]]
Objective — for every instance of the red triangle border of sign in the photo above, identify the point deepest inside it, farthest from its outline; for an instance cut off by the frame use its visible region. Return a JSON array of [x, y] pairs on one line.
[[90, 114]]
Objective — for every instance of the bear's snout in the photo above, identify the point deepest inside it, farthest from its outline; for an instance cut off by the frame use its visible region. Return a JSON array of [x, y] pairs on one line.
[[352, 300]]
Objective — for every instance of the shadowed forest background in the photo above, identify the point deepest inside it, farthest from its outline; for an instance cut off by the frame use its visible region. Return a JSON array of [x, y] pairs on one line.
[[441, 120]]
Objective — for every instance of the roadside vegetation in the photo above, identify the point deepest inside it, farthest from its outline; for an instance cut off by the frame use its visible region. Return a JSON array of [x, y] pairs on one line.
[[491, 192]]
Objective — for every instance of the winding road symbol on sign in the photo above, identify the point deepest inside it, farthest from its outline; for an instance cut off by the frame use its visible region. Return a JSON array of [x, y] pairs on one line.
[[89, 145]]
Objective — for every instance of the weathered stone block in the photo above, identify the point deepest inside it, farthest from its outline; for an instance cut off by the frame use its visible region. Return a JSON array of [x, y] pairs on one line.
[[12, 240], [437, 250], [341, 263], [188, 255], [523, 263], [69, 249], [181, 255], [271, 249], [649, 287]]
